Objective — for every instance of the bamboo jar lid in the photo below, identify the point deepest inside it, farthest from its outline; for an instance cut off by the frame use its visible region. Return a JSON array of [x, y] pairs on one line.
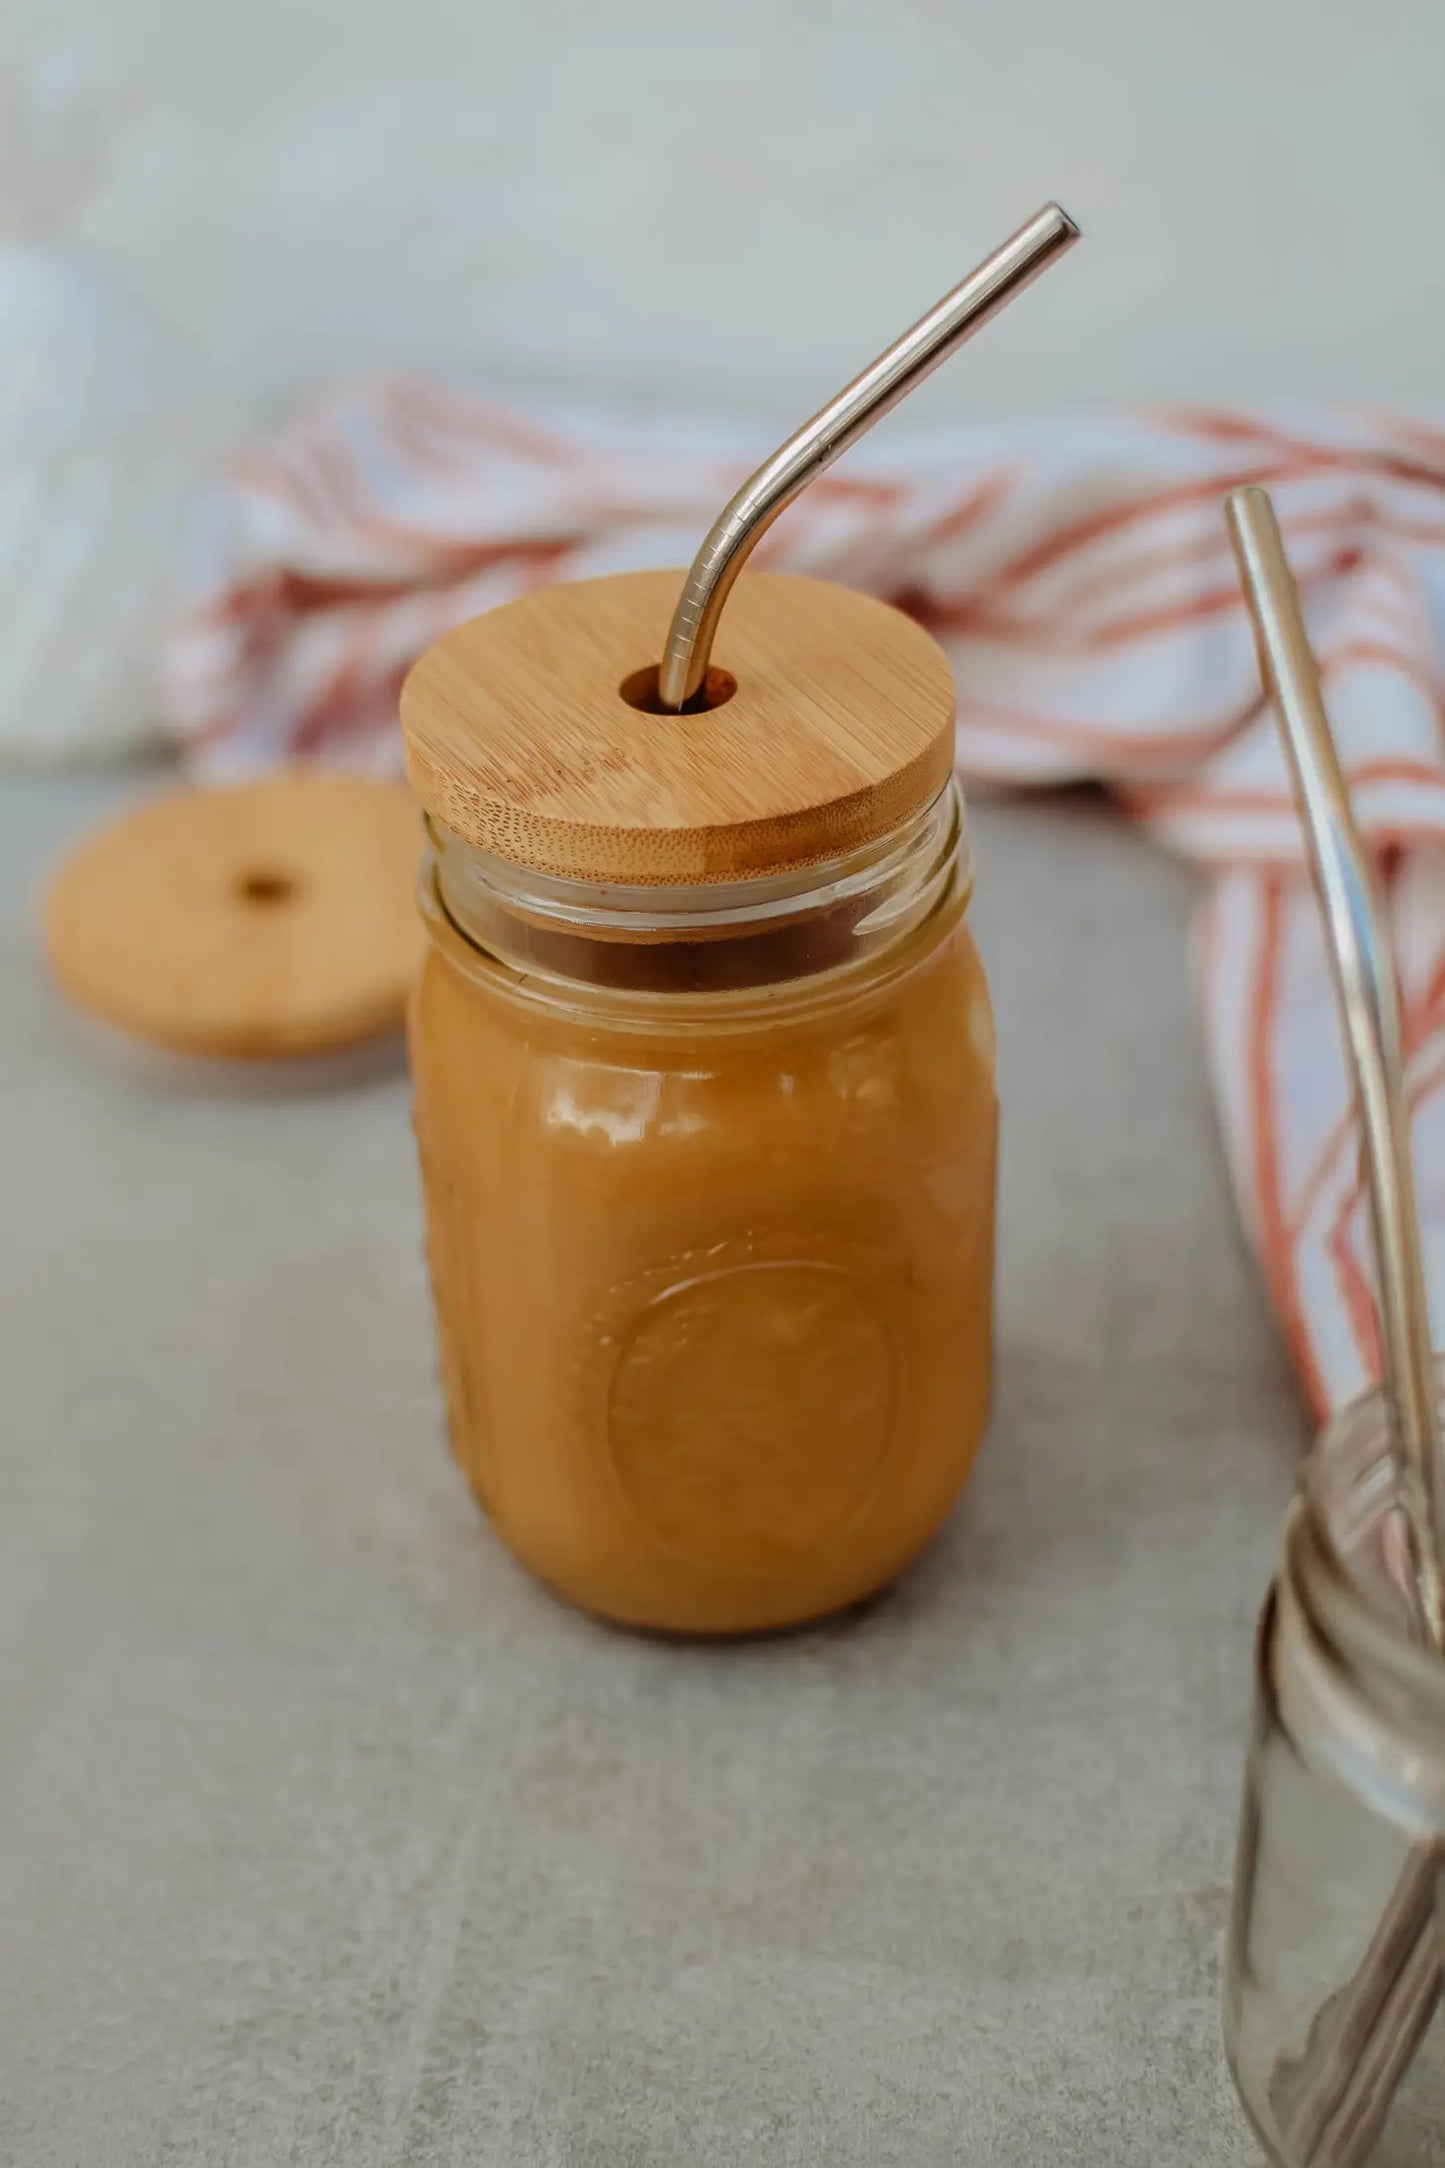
[[528, 733], [253, 921]]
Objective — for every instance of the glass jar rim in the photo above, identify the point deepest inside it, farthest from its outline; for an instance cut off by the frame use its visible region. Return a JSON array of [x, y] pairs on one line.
[[1361, 1429], [630, 1008], [1348, 1635], [623, 911], [768, 944]]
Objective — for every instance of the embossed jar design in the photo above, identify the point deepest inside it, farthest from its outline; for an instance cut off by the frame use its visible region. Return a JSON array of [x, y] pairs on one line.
[[705, 1107]]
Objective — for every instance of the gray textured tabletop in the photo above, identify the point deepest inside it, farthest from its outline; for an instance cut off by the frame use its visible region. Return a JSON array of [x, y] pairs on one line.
[[325, 1837]]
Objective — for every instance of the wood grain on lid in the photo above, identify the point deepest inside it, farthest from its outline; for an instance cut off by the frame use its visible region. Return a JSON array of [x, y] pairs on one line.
[[248, 922], [519, 740]]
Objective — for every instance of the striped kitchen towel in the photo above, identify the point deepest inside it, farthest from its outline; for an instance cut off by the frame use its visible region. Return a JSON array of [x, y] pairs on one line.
[[1079, 575]]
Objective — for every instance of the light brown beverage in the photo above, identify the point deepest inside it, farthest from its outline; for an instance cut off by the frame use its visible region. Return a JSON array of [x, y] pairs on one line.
[[713, 1273]]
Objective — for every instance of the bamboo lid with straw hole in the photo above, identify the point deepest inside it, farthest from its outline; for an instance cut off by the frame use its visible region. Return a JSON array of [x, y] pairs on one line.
[[584, 732], [265, 921], [534, 734]]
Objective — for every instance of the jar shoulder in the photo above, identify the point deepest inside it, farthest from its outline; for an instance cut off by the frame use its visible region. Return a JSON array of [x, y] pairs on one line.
[[914, 1052]]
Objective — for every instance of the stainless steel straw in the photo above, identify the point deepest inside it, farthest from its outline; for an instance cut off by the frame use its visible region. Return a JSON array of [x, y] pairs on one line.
[[1383, 2014], [1370, 1017], [815, 446]]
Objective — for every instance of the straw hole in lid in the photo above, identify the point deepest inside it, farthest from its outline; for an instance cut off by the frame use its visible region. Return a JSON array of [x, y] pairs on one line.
[[640, 690], [264, 887]]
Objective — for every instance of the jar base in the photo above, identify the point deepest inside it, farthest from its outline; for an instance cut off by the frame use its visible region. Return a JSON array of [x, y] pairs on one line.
[[778, 1622]]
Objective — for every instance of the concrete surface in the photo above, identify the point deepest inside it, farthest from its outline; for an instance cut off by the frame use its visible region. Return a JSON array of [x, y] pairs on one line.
[[664, 200], [326, 1838]]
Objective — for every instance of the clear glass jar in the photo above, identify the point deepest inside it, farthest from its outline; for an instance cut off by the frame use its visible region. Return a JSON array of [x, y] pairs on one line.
[[1333, 2022], [709, 1179]]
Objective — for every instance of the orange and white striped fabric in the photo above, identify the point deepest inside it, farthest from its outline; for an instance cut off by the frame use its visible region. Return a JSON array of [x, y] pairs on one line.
[[1078, 573]]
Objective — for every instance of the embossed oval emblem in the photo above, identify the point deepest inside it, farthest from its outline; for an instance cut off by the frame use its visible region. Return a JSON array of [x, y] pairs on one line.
[[751, 1411]]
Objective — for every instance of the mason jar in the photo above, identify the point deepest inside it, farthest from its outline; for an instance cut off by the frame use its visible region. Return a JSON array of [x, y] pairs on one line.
[[708, 1162], [1333, 2016]]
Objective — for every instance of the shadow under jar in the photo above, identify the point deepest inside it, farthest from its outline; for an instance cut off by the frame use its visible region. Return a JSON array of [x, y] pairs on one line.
[[1333, 2019], [705, 1100]]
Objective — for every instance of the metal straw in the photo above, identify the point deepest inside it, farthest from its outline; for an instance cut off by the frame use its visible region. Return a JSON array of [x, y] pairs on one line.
[[1380, 2018], [1374, 2027], [1369, 1008], [815, 446]]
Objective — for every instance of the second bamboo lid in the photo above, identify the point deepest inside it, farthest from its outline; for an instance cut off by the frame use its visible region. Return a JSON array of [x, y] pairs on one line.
[[246, 921], [528, 731]]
